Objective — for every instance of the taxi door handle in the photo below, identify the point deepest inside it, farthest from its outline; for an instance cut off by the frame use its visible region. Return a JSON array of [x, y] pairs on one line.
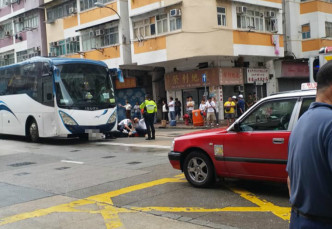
[[278, 140]]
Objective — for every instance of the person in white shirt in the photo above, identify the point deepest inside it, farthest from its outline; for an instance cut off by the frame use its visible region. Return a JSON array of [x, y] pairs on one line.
[[190, 107], [137, 111], [210, 107], [126, 126], [202, 108], [140, 127], [171, 107], [165, 111], [128, 109]]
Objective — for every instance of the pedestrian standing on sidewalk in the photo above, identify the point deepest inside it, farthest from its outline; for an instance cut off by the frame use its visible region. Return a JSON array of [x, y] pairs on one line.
[[202, 108], [137, 111], [127, 106], [190, 107], [150, 109], [177, 109], [240, 106], [171, 107], [229, 111], [309, 164], [210, 116], [165, 111], [216, 110]]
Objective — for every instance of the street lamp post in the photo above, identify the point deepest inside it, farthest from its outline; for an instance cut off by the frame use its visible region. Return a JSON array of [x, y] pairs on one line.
[[101, 5]]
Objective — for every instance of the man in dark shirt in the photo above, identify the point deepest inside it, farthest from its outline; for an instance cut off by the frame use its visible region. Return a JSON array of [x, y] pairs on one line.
[[310, 160], [240, 106]]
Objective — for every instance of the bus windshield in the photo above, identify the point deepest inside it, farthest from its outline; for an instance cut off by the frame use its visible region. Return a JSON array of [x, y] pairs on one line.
[[84, 87]]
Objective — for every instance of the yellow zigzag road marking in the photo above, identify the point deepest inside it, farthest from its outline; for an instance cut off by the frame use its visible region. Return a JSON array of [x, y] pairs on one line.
[[110, 213]]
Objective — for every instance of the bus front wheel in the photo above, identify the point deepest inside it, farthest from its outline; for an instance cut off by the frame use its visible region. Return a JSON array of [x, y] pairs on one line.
[[33, 131]]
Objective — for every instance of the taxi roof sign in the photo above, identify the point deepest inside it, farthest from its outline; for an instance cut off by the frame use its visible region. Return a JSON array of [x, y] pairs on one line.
[[326, 50], [308, 86]]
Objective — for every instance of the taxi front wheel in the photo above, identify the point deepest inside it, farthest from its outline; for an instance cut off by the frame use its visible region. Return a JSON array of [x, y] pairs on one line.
[[198, 169]]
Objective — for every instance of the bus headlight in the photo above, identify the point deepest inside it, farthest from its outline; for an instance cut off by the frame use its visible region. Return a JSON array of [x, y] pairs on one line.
[[112, 118], [66, 119]]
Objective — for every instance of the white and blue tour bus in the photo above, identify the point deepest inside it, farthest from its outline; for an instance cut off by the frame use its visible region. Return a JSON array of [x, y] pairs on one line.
[[56, 97]]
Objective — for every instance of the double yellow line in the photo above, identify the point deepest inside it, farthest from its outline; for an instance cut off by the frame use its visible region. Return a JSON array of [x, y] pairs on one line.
[[110, 213]]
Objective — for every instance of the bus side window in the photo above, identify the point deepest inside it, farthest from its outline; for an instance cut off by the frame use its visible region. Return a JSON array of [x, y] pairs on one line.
[[3, 82], [47, 88]]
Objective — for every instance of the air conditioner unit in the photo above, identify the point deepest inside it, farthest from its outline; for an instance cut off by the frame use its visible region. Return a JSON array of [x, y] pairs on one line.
[[6, 57], [20, 19], [91, 33], [72, 10], [7, 33], [99, 32], [56, 43], [241, 9], [175, 13], [270, 14]]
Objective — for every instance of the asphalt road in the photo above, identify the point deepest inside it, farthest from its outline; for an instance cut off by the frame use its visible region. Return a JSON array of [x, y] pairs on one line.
[[123, 183]]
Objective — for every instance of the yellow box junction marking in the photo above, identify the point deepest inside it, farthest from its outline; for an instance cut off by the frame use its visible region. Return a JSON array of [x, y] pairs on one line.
[[110, 213]]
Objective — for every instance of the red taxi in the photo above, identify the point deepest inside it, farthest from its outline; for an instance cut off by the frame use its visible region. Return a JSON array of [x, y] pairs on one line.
[[254, 147]]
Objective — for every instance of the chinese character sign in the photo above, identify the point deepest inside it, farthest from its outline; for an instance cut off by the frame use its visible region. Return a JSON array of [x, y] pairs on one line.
[[257, 74]]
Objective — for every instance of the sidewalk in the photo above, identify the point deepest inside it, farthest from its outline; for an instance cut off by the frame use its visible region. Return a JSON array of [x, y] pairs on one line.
[[181, 125]]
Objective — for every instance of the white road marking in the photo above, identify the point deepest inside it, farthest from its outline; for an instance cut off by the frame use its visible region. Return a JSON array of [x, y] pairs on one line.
[[74, 162], [136, 145]]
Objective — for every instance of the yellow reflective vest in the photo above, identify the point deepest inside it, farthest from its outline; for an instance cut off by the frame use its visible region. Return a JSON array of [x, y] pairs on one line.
[[150, 105]]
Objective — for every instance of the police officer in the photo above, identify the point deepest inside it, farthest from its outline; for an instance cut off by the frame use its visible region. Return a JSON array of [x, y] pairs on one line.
[[150, 108]]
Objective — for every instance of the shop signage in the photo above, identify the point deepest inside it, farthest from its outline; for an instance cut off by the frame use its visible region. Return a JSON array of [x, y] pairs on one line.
[[295, 70], [257, 74], [191, 79], [128, 83], [231, 76]]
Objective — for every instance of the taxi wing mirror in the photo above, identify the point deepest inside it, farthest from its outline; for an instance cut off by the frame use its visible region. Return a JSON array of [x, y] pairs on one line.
[[236, 127]]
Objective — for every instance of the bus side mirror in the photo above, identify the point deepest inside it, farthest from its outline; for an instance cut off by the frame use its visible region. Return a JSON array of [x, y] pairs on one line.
[[236, 127]]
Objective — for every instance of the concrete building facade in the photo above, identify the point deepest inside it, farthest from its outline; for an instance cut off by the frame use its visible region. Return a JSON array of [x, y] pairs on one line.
[[22, 30], [230, 43]]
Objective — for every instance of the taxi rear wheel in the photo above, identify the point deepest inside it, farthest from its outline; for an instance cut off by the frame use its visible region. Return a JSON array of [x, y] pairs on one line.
[[198, 169]]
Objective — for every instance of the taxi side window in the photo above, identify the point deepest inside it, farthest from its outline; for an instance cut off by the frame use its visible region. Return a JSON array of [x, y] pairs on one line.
[[271, 115], [305, 105]]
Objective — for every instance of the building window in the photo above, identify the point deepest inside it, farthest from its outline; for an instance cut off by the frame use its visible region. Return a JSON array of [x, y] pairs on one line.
[[3, 3], [252, 20], [159, 24], [100, 37], [162, 23], [221, 15], [7, 58], [26, 54], [111, 37], [87, 4], [64, 47], [142, 29], [6, 30], [175, 23], [61, 11], [26, 22], [306, 31], [328, 29]]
